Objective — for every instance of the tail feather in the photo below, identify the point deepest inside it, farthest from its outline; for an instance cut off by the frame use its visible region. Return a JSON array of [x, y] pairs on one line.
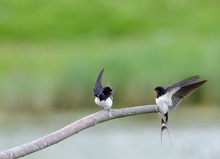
[[164, 121], [163, 127]]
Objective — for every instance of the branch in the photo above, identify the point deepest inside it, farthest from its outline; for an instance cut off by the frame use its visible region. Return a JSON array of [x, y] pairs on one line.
[[75, 127]]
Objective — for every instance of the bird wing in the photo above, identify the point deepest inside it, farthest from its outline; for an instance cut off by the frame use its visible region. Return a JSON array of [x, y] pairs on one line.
[[98, 85], [179, 93], [184, 82]]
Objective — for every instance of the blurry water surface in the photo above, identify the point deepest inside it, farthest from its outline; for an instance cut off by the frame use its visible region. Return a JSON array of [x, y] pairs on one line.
[[195, 135]]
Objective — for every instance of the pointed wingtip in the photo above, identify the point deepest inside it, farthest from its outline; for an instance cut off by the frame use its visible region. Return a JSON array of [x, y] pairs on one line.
[[102, 70], [100, 74], [184, 82], [192, 79], [196, 76], [108, 84], [204, 81], [198, 84], [98, 85]]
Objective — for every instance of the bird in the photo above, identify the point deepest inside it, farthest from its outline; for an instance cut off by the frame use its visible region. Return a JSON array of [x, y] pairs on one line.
[[103, 96], [169, 98]]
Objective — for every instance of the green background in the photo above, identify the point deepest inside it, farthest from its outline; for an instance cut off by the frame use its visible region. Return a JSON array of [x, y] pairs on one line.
[[52, 51]]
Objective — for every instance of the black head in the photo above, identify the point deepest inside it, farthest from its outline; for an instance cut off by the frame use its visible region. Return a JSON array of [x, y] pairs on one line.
[[107, 91], [160, 91]]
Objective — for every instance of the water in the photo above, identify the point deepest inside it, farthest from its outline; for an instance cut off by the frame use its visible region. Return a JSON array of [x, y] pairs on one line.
[[131, 138]]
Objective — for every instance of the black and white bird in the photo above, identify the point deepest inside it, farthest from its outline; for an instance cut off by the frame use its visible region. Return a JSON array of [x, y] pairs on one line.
[[169, 98], [103, 96]]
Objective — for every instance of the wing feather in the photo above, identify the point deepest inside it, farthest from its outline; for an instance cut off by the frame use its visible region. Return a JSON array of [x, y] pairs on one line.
[[183, 92], [184, 82], [98, 85]]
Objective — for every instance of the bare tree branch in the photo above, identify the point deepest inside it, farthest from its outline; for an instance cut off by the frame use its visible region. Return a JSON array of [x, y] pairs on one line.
[[74, 128]]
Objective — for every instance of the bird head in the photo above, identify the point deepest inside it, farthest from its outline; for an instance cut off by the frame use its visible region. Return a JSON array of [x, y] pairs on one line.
[[160, 90], [107, 91]]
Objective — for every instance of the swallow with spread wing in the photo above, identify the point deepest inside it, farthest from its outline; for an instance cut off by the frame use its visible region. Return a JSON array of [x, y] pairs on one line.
[[169, 98], [103, 96]]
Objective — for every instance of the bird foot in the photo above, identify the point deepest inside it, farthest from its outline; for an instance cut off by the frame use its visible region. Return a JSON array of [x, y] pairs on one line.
[[109, 111]]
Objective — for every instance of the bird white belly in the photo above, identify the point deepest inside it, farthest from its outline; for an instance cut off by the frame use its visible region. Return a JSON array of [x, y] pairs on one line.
[[162, 104], [106, 104]]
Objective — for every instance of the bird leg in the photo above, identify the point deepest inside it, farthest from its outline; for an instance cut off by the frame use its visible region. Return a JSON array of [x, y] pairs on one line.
[[108, 109]]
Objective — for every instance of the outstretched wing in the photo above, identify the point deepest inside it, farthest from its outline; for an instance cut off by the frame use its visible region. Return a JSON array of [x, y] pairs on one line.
[[184, 82], [179, 93], [98, 85]]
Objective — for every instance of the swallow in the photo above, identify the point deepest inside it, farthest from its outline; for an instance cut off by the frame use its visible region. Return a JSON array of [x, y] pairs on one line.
[[103, 96], [169, 98]]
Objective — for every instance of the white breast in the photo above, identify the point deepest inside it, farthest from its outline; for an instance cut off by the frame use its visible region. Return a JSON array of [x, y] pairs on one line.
[[164, 101], [106, 104], [162, 104]]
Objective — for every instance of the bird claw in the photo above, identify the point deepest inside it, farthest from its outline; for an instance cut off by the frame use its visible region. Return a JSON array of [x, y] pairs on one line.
[[157, 110], [108, 110]]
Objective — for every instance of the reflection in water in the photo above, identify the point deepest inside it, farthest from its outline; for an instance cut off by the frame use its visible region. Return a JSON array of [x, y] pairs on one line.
[[121, 138]]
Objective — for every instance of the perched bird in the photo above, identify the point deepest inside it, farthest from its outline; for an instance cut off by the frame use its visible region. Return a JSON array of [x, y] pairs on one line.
[[169, 98], [103, 96]]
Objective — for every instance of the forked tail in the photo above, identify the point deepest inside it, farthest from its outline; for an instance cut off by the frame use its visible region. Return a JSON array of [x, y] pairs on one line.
[[163, 127]]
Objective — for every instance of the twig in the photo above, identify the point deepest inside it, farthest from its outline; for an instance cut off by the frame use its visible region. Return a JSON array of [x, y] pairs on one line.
[[74, 128]]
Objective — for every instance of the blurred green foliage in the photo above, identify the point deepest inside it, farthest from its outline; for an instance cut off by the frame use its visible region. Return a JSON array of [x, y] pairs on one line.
[[40, 19], [52, 51]]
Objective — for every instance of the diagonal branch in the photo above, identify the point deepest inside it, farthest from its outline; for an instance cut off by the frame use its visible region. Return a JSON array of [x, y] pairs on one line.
[[75, 127]]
